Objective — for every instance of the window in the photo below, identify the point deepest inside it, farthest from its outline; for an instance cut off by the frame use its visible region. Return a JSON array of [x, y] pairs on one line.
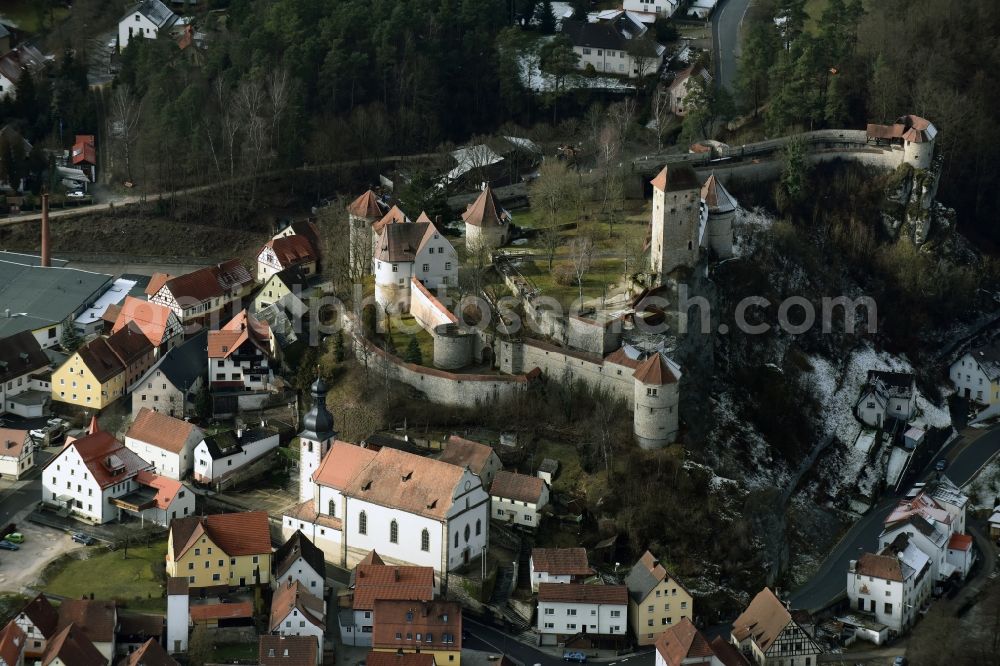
[[363, 523], [393, 532], [395, 268], [651, 391], [649, 622], [216, 577], [468, 533], [255, 558], [456, 539], [331, 507], [447, 265], [479, 527], [616, 613], [888, 609], [197, 551], [650, 608], [550, 611], [586, 52], [570, 611], [427, 267], [425, 541]]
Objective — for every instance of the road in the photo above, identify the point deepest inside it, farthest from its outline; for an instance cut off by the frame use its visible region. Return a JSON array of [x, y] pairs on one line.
[[726, 23], [965, 459], [17, 496]]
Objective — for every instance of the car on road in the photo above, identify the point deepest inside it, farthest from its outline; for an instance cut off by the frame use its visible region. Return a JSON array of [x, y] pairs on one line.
[[85, 539], [7, 545], [941, 465], [899, 661], [76, 194], [15, 537], [578, 657]]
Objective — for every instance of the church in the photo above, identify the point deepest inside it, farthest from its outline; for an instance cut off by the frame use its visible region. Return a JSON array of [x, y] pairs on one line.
[[411, 509]]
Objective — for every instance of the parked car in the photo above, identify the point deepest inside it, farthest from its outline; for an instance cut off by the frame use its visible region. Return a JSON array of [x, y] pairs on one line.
[[899, 661], [941, 465], [15, 537], [51, 432], [7, 545], [85, 539], [578, 657], [76, 194]]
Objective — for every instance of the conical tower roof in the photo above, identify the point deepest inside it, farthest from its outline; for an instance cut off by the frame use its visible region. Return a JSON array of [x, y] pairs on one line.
[[366, 206], [657, 371], [486, 211], [717, 197]]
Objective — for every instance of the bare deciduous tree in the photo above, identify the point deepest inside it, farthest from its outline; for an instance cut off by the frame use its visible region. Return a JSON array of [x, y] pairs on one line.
[[661, 113], [277, 93], [581, 253], [125, 112], [551, 191]]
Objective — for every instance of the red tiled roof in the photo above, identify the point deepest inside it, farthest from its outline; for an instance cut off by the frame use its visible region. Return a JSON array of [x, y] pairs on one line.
[[101, 360], [394, 216], [246, 533], [886, 567], [42, 614], [960, 542], [96, 619], [292, 250], [518, 487], [441, 619], [727, 653], [153, 319], [561, 561], [129, 343], [400, 659], [11, 643], [102, 453], [306, 512], [763, 620], [72, 648], [12, 442], [655, 371], [205, 612], [287, 650], [682, 641], [84, 150], [156, 282], [366, 206], [242, 328], [486, 211], [374, 581], [150, 653], [291, 595], [466, 453], [584, 594], [402, 242], [166, 489], [341, 464], [205, 283], [371, 558], [160, 430]]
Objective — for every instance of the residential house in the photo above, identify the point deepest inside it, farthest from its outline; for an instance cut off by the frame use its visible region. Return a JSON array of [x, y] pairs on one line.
[[220, 551], [487, 223], [681, 85], [547, 470], [299, 559], [17, 453], [84, 155], [960, 554], [222, 614], [558, 565], [498, 160], [157, 498], [240, 355], [297, 612], [518, 499], [767, 635], [157, 322], [288, 251], [701, 9], [431, 627], [202, 295], [135, 629], [291, 288], [411, 509], [931, 525], [599, 611], [976, 374], [166, 442], [650, 10], [13, 65], [147, 19], [404, 659], [281, 650], [887, 395], [171, 385], [219, 456], [408, 250], [102, 370], [89, 473], [38, 620], [70, 646], [657, 599], [480, 459], [21, 361], [683, 645], [150, 653], [12, 644], [618, 46], [892, 586], [373, 580], [96, 620]]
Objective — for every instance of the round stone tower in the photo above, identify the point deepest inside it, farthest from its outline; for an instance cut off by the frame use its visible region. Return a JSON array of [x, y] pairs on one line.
[[721, 210], [315, 440], [453, 346], [918, 141], [655, 417]]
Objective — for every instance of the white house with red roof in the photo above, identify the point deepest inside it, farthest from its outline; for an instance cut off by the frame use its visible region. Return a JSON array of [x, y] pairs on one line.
[[893, 585], [166, 442], [518, 499], [596, 611], [683, 645], [286, 250], [372, 580], [240, 355], [297, 612], [196, 296], [17, 453], [406, 250], [558, 565]]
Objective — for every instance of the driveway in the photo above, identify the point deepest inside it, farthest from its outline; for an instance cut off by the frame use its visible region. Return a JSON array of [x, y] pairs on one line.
[[966, 458], [726, 23]]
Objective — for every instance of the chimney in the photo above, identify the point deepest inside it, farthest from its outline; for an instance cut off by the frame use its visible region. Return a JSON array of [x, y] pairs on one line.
[[46, 262]]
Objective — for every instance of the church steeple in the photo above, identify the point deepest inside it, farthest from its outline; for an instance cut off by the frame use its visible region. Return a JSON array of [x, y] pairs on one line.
[[315, 440]]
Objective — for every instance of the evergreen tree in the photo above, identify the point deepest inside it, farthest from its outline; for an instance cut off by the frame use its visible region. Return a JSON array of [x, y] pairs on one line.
[[413, 353], [338, 346], [70, 338], [546, 18]]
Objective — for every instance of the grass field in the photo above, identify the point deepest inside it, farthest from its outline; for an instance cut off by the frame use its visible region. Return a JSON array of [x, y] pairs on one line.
[[234, 652], [401, 338], [24, 15], [136, 581]]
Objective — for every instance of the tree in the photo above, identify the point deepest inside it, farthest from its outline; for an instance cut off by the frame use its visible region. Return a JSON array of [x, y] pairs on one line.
[[644, 54], [413, 353], [699, 112], [339, 352], [666, 32], [558, 58], [546, 18], [759, 48], [424, 195], [661, 113], [794, 176], [125, 113], [550, 191], [581, 253], [70, 339], [200, 646]]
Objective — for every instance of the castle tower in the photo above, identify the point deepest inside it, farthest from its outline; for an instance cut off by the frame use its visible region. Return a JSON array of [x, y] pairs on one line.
[[362, 213], [721, 210], [315, 439], [677, 221], [657, 394], [918, 141], [487, 223]]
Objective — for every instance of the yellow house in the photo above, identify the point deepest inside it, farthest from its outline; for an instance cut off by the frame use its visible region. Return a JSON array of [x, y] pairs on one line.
[[289, 281], [431, 627], [99, 372], [221, 550], [656, 599]]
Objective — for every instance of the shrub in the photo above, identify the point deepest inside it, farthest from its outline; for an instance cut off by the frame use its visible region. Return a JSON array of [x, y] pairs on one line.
[[563, 275]]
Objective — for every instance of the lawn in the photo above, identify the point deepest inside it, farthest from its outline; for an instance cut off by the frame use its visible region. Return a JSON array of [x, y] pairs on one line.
[[25, 15], [603, 273], [136, 581], [234, 652], [401, 335]]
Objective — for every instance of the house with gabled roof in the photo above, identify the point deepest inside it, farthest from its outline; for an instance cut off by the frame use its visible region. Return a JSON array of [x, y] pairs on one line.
[[17, 453], [102, 370], [297, 612], [596, 613], [427, 627], [299, 559], [147, 19], [767, 635], [198, 296], [12, 644], [406, 250], [21, 359], [297, 250], [150, 653], [558, 565], [518, 499], [372, 580], [481, 459], [69, 647], [487, 223], [279, 650], [683, 645], [976, 374], [885, 396], [171, 385], [157, 322], [166, 442], [893, 585], [217, 457], [680, 87], [97, 620], [240, 355], [658, 600], [220, 551], [38, 620]]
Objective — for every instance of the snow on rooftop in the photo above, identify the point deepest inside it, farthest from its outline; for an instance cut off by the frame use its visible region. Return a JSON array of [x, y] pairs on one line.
[[114, 295], [897, 463]]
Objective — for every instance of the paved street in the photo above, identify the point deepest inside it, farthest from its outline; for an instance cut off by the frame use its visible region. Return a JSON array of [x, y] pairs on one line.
[[966, 458], [16, 496], [725, 40]]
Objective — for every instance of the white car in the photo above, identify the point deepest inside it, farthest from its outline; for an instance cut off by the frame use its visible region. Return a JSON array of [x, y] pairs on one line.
[[76, 194]]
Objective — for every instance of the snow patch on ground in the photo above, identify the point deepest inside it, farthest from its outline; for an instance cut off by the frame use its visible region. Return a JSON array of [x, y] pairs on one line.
[[984, 490], [534, 79], [734, 436], [747, 224], [897, 462]]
